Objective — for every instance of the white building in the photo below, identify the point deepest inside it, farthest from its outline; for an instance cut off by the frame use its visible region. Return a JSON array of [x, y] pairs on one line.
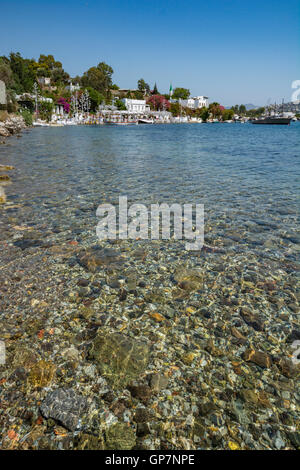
[[72, 87], [44, 81], [136, 106], [194, 103]]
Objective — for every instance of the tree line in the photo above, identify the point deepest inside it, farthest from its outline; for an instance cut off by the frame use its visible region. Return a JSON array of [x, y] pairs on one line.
[[19, 74]]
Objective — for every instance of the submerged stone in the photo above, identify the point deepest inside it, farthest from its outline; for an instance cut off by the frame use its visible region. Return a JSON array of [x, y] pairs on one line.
[[89, 442], [188, 279], [96, 257], [65, 406], [120, 359], [120, 437], [42, 374], [259, 358]]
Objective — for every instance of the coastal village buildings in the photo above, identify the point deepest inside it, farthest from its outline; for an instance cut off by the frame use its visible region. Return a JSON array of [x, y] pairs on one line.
[[71, 88], [194, 103], [136, 106], [44, 81]]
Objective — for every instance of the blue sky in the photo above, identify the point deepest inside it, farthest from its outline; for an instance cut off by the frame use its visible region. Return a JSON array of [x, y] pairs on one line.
[[234, 51]]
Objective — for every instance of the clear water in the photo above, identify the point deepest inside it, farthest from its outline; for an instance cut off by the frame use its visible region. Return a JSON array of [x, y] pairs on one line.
[[247, 177]]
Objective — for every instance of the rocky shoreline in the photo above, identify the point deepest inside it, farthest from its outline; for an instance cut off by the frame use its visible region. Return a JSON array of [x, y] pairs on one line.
[[12, 125]]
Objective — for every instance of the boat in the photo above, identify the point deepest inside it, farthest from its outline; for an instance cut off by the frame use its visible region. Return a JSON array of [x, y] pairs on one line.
[[275, 116], [120, 123], [273, 120], [145, 121]]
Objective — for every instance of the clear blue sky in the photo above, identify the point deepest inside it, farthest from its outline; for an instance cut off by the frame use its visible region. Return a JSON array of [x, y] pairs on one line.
[[234, 51]]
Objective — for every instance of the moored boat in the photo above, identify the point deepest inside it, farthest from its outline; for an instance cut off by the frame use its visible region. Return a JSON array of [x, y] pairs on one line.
[[273, 120], [145, 121]]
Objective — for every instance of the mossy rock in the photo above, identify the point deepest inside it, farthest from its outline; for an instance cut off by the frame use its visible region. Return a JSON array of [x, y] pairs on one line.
[[120, 437], [89, 442], [97, 258], [24, 357], [120, 359], [188, 279], [42, 374]]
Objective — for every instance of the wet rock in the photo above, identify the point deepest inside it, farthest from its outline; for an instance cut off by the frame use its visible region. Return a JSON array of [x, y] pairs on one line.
[[259, 358], [188, 279], [20, 374], [251, 319], [141, 392], [293, 336], [82, 282], [142, 415], [42, 374], [122, 294], [249, 396], [205, 408], [65, 406], [120, 437], [25, 243], [158, 382], [96, 257], [143, 429], [237, 334], [25, 357], [120, 359], [89, 442], [294, 437], [287, 368]]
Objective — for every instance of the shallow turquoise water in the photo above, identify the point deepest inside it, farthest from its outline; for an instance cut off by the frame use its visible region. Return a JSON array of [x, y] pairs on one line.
[[247, 176]]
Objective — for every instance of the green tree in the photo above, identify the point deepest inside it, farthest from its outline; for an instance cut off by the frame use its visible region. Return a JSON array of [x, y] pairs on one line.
[[215, 110], [227, 114], [6, 74], [143, 86], [242, 109], [120, 105], [99, 78], [24, 72], [45, 110], [138, 95], [181, 93], [155, 90], [96, 98], [204, 113], [175, 109]]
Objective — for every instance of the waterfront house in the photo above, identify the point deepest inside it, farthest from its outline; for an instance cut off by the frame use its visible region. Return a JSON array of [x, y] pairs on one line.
[[196, 102], [136, 106]]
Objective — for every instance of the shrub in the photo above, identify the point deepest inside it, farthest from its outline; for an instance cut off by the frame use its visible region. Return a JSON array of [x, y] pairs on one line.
[[27, 116]]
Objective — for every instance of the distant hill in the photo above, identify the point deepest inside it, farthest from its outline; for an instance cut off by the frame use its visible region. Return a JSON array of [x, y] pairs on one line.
[[251, 106], [248, 106]]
